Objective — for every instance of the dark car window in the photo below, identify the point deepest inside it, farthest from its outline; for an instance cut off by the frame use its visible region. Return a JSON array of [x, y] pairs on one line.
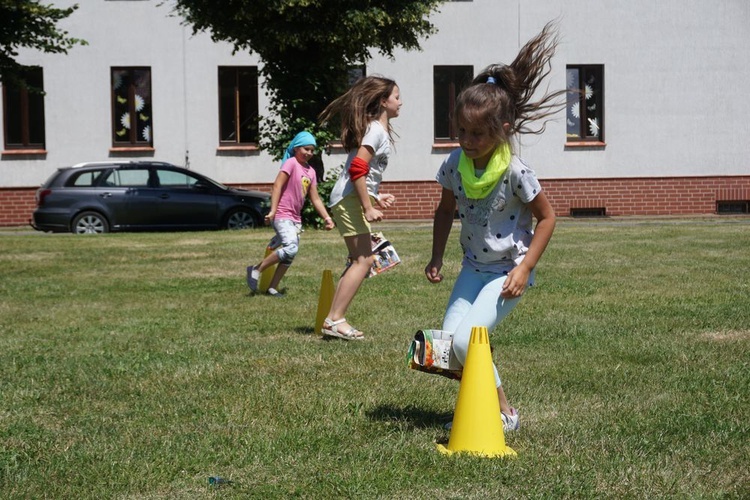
[[170, 178], [137, 177], [86, 179]]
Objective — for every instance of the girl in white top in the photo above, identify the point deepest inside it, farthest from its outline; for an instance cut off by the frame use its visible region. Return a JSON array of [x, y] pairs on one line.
[[497, 196], [365, 111]]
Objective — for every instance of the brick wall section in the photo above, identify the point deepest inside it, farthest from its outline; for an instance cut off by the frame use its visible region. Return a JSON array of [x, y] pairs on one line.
[[646, 196], [620, 197], [414, 199], [16, 206]]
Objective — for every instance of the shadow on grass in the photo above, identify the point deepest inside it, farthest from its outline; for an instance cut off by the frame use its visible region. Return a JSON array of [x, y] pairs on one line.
[[416, 418], [304, 330]]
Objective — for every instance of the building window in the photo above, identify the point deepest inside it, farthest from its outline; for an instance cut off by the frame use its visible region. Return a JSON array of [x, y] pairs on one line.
[[585, 106], [354, 73], [448, 81], [132, 120], [733, 207], [238, 105], [588, 212], [23, 107]]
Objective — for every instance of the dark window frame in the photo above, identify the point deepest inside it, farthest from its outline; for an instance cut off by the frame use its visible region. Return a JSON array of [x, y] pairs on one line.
[[29, 119], [589, 212], [577, 94], [732, 207], [132, 131], [354, 73], [455, 78], [237, 118]]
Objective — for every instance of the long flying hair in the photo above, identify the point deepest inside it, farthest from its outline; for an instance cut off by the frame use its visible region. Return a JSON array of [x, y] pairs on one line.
[[509, 98], [358, 107]]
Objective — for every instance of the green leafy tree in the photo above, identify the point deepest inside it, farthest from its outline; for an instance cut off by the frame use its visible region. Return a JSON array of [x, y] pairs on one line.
[[27, 23], [307, 48]]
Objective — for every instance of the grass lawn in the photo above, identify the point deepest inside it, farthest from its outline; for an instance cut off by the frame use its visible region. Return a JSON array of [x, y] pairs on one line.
[[137, 366]]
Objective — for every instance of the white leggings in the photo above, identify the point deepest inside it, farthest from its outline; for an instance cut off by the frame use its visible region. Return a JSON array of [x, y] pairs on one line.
[[286, 240], [475, 301]]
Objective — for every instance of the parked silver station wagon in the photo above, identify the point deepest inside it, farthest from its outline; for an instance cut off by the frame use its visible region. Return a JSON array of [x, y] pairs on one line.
[[142, 195]]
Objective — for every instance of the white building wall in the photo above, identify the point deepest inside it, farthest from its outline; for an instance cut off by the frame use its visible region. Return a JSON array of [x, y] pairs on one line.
[[676, 75]]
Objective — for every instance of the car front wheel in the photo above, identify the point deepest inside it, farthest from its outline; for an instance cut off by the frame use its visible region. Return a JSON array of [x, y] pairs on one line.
[[240, 219], [90, 223]]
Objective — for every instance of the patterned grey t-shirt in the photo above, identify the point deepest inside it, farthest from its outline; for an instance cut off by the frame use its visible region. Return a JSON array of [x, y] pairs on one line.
[[495, 231]]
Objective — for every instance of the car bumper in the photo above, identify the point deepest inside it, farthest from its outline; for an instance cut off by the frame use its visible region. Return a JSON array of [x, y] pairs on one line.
[[50, 222]]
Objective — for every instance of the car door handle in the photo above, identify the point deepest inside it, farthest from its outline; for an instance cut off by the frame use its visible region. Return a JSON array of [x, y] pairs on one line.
[[106, 194], [164, 196]]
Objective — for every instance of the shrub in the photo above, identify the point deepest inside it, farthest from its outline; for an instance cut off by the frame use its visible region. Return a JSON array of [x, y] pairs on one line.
[[310, 217]]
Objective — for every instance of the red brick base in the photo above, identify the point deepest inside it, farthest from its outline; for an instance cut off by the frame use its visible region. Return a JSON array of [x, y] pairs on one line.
[[16, 206], [646, 196], [622, 196]]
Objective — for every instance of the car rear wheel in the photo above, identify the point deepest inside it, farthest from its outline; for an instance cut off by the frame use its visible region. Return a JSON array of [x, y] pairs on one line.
[[90, 223], [240, 218]]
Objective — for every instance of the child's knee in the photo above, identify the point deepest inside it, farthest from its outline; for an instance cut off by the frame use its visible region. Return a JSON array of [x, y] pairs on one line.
[[287, 253], [363, 260], [460, 348]]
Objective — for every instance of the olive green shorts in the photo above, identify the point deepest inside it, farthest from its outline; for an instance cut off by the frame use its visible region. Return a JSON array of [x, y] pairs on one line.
[[349, 216]]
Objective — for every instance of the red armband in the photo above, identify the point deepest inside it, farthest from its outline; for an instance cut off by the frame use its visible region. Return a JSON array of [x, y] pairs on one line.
[[358, 168]]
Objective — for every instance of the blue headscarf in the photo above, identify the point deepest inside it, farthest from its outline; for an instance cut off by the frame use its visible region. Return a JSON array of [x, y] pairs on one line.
[[304, 138]]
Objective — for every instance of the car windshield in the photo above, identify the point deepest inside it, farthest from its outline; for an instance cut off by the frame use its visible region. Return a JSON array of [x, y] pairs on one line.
[[217, 184]]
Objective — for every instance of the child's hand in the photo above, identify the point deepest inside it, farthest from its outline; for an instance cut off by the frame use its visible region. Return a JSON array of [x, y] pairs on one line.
[[270, 216], [432, 272], [386, 200], [329, 224], [373, 215], [515, 283]]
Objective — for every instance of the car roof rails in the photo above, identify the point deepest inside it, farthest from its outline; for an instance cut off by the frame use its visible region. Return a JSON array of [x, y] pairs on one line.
[[92, 164], [115, 162], [163, 163]]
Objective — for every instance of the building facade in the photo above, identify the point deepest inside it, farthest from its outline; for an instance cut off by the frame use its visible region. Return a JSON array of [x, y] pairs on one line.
[[661, 129]]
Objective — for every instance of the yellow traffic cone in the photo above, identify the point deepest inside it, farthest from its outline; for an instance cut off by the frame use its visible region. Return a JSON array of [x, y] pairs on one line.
[[267, 275], [477, 426], [325, 299]]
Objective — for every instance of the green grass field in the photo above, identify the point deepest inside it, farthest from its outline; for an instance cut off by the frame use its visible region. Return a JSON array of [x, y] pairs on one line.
[[137, 366]]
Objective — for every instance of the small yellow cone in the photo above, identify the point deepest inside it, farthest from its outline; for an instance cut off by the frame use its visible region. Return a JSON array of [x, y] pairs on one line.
[[267, 275], [325, 299], [477, 426]]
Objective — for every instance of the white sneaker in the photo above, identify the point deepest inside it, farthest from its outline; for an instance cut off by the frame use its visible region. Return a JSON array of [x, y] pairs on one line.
[[253, 275], [510, 422]]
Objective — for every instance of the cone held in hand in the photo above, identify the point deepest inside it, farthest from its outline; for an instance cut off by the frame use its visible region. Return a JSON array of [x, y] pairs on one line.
[[477, 427]]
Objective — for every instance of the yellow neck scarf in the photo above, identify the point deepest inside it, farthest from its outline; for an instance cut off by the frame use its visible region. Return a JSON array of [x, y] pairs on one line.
[[478, 188]]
